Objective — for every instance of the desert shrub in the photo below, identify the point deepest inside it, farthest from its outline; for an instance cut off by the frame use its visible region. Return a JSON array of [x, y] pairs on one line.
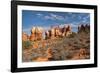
[[26, 44], [72, 35], [87, 30]]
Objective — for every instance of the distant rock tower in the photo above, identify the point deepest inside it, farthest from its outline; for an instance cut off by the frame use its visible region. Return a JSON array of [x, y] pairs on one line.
[[84, 28]]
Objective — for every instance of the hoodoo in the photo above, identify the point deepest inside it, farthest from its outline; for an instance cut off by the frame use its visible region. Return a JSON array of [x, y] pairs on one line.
[[36, 33]]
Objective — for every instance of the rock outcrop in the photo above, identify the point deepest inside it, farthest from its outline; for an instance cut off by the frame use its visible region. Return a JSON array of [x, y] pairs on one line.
[[82, 54], [84, 28], [56, 32], [47, 58], [25, 37], [36, 33], [66, 30]]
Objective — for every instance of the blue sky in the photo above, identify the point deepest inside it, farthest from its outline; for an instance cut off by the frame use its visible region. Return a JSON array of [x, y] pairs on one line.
[[47, 19]]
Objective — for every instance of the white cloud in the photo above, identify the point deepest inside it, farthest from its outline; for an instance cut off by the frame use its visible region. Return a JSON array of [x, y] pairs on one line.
[[80, 17], [48, 17], [54, 17], [72, 24], [58, 17], [85, 19], [39, 14]]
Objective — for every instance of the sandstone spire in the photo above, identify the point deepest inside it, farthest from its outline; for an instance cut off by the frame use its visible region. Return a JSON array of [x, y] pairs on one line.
[[36, 33]]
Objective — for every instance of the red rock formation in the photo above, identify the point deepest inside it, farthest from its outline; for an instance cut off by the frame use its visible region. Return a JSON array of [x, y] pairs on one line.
[[56, 32], [49, 53], [66, 30], [80, 55], [47, 58], [24, 36], [32, 36], [36, 33], [35, 45], [52, 33], [47, 34]]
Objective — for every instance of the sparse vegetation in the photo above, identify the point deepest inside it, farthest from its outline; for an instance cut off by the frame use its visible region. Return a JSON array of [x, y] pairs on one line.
[[72, 35], [73, 47], [26, 44]]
